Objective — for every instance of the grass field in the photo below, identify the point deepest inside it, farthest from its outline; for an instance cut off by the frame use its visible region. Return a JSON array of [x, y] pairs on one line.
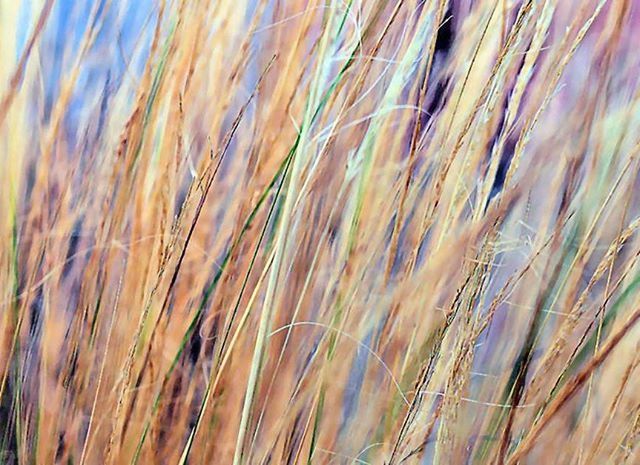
[[319, 232]]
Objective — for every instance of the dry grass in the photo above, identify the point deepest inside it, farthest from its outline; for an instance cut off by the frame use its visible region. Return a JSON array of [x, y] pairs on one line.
[[338, 231]]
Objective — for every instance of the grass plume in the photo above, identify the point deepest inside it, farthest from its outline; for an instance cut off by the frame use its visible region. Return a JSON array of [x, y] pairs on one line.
[[320, 232]]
